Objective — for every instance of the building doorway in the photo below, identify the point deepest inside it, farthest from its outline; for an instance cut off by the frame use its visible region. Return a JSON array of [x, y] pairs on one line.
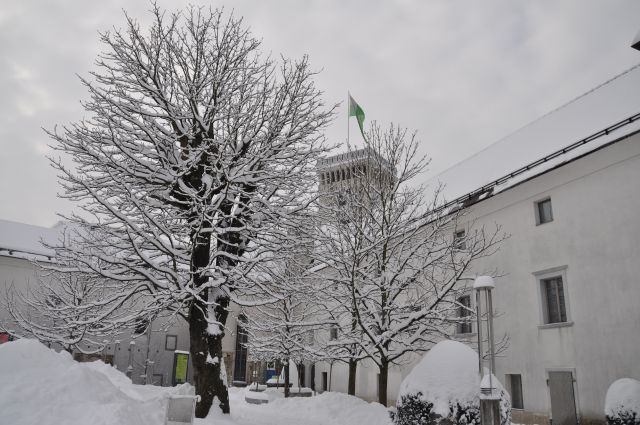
[[302, 381], [563, 401], [240, 362]]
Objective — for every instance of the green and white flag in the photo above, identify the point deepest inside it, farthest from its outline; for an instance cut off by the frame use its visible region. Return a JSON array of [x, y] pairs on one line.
[[356, 111]]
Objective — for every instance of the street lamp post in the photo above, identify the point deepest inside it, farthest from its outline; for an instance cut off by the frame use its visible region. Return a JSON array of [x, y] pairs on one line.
[[132, 346], [489, 400]]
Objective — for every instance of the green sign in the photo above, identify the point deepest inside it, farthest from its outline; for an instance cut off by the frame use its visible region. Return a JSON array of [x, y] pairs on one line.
[[181, 363]]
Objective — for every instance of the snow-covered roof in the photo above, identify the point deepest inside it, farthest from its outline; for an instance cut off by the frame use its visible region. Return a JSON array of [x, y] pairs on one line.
[[594, 119], [24, 240]]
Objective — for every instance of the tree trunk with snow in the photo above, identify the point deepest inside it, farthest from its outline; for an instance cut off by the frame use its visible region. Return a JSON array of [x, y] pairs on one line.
[[351, 387], [287, 389], [383, 378], [208, 376]]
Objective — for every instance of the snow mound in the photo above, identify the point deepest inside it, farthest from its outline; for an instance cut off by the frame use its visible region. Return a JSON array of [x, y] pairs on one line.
[[444, 387], [328, 408], [448, 372], [623, 400], [40, 386], [335, 408]]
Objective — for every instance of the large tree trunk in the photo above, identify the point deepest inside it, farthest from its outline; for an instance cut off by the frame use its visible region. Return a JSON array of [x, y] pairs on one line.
[[353, 365], [382, 382], [208, 376], [286, 379]]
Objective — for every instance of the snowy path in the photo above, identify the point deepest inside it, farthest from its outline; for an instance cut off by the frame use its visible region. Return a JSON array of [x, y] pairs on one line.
[[247, 414], [324, 409]]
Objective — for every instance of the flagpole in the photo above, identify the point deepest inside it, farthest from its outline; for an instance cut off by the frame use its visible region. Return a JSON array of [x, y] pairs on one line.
[[348, 106]]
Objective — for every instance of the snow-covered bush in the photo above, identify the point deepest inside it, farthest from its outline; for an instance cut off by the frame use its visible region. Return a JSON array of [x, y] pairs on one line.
[[622, 404], [444, 388]]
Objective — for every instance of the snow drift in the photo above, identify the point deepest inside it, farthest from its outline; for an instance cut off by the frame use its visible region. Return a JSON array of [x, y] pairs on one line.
[[328, 408], [622, 404], [40, 386], [445, 384]]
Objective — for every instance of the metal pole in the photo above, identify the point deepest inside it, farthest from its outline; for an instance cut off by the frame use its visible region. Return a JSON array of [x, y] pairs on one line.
[[115, 353], [348, 116], [479, 332], [491, 339], [146, 361]]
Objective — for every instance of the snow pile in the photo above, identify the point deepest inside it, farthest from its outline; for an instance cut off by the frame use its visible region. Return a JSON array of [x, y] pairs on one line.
[[328, 408], [447, 373], [445, 385], [40, 386], [622, 404]]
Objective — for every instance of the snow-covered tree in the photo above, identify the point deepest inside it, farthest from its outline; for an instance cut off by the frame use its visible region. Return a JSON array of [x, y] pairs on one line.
[[340, 248], [62, 309], [393, 263], [193, 163], [285, 329]]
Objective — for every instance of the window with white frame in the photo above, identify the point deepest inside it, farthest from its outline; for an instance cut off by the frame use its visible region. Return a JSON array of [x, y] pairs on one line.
[[554, 302], [543, 211], [464, 312]]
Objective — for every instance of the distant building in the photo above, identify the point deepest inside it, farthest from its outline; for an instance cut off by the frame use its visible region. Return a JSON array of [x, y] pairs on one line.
[[21, 250], [344, 171]]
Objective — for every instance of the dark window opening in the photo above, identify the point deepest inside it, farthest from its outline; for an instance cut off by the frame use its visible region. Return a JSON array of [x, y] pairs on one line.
[[140, 326], [554, 299], [515, 388], [464, 313], [459, 242], [544, 214], [240, 363], [333, 332], [302, 381]]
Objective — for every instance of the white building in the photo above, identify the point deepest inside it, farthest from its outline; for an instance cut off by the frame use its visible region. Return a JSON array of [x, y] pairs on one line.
[[21, 251], [566, 188]]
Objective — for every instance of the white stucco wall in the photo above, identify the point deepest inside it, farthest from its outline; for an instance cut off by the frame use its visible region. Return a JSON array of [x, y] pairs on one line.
[[594, 238]]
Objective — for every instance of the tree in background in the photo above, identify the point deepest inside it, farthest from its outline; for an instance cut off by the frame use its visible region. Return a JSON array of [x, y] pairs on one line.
[[393, 264], [62, 309], [194, 162], [285, 329]]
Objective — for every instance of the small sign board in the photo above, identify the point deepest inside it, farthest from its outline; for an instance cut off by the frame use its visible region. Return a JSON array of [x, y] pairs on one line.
[[180, 367]]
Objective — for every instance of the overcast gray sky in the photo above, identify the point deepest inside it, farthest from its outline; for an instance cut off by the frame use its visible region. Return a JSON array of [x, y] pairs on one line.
[[461, 73]]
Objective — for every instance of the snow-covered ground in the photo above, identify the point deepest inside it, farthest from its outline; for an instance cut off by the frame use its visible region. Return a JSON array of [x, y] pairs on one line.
[[40, 387]]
